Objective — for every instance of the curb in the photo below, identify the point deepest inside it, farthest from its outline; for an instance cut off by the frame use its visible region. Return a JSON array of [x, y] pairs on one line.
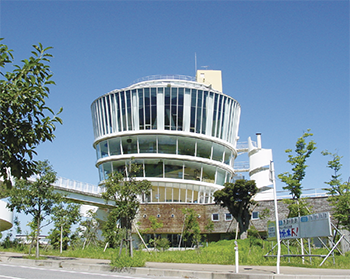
[[151, 271], [58, 264]]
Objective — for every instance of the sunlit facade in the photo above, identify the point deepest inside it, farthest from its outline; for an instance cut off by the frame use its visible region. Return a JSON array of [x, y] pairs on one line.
[[182, 131]]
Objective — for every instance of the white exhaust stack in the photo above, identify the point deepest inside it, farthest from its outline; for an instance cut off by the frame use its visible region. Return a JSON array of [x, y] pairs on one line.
[[258, 140]]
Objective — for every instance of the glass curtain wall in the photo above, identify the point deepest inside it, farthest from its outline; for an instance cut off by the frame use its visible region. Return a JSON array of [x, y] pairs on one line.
[[175, 169], [113, 112], [164, 144]]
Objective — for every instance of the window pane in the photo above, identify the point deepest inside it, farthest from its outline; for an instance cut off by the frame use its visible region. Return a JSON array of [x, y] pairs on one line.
[[154, 108], [147, 144], [104, 149], [107, 169], [218, 152], [114, 146], [167, 114], [166, 144], [193, 110], [123, 110], [215, 115], [227, 156], [220, 177], [173, 170], [199, 111], [186, 146], [204, 149], [141, 110], [98, 151], [180, 109], [128, 105], [208, 174], [154, 169], [119, 166], [192, 171], [129, 145]]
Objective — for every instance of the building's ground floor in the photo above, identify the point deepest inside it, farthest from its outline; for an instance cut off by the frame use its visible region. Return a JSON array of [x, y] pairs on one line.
[[221, 223]]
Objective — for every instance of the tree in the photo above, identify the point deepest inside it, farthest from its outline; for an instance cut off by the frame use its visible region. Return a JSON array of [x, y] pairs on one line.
[[303, 151], [339, 192], [36, 198], [237, 197], [24, 123], [64, 215], [124, 190], [155, 225], [89, 229], [191, 229]]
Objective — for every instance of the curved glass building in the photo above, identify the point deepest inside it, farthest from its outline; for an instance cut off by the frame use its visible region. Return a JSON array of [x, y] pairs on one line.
[[183, 131]]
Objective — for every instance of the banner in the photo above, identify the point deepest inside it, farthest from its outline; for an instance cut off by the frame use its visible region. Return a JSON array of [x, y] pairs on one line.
[[314, 225]]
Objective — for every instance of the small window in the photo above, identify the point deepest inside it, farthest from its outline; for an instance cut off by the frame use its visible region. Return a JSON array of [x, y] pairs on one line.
[[228, 217], [255, 215], [215, 217]]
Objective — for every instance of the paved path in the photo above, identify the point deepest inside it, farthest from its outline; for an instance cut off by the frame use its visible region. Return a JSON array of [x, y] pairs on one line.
[[210, 271]]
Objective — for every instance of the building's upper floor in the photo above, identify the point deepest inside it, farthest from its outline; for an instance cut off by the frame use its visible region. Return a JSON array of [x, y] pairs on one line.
[[171, 104]]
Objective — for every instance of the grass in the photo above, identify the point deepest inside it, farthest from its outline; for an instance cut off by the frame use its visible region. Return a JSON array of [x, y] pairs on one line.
[[251, 252]]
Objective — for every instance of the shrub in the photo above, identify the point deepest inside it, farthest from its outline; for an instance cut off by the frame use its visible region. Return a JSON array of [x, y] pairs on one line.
[[124, 262]]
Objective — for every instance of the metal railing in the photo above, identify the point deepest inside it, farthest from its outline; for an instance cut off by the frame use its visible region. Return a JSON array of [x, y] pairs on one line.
[[313, 192], [157, 77], [78, 186]]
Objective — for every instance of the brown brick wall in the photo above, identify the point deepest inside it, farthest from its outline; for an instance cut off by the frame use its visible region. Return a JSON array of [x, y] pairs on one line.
[[173, 225]]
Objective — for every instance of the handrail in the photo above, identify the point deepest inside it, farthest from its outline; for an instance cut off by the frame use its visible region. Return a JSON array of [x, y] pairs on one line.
[[157, 77], [78, 186]]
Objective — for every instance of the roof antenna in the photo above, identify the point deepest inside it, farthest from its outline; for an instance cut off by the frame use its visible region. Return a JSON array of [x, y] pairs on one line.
[[195, 63]]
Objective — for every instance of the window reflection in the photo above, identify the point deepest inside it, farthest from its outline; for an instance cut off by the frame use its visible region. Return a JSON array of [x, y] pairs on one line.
[[129, 145], [174, 170], [147, 144], [167, 144], [204, 149], [114, 146], [220, 177], [187, 146], [218, 152], [153, 169], [104, 148]]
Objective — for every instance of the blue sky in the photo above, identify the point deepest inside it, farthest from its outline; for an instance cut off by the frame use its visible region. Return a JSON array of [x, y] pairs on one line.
[[285, 62]]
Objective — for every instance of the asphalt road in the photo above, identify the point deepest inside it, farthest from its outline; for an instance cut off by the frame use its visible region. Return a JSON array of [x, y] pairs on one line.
[[12, 271]]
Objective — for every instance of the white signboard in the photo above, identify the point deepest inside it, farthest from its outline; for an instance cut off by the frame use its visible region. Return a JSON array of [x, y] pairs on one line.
[[314, 225]]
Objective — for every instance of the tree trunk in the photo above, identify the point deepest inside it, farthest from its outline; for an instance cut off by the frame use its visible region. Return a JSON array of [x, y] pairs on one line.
[[61, 239], [37, 254], [131, 248]]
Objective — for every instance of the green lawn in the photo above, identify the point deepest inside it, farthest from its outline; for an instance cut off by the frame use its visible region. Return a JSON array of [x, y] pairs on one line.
[[251, 252]]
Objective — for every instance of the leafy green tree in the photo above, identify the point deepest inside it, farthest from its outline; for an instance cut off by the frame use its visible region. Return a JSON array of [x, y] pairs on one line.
[[339, 192], [300, 207], [191, 229], [124, 190], [64, 216], [303, 150], [24, 120], [155, 225], [36, 198], [237, 197], [89, 229]]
